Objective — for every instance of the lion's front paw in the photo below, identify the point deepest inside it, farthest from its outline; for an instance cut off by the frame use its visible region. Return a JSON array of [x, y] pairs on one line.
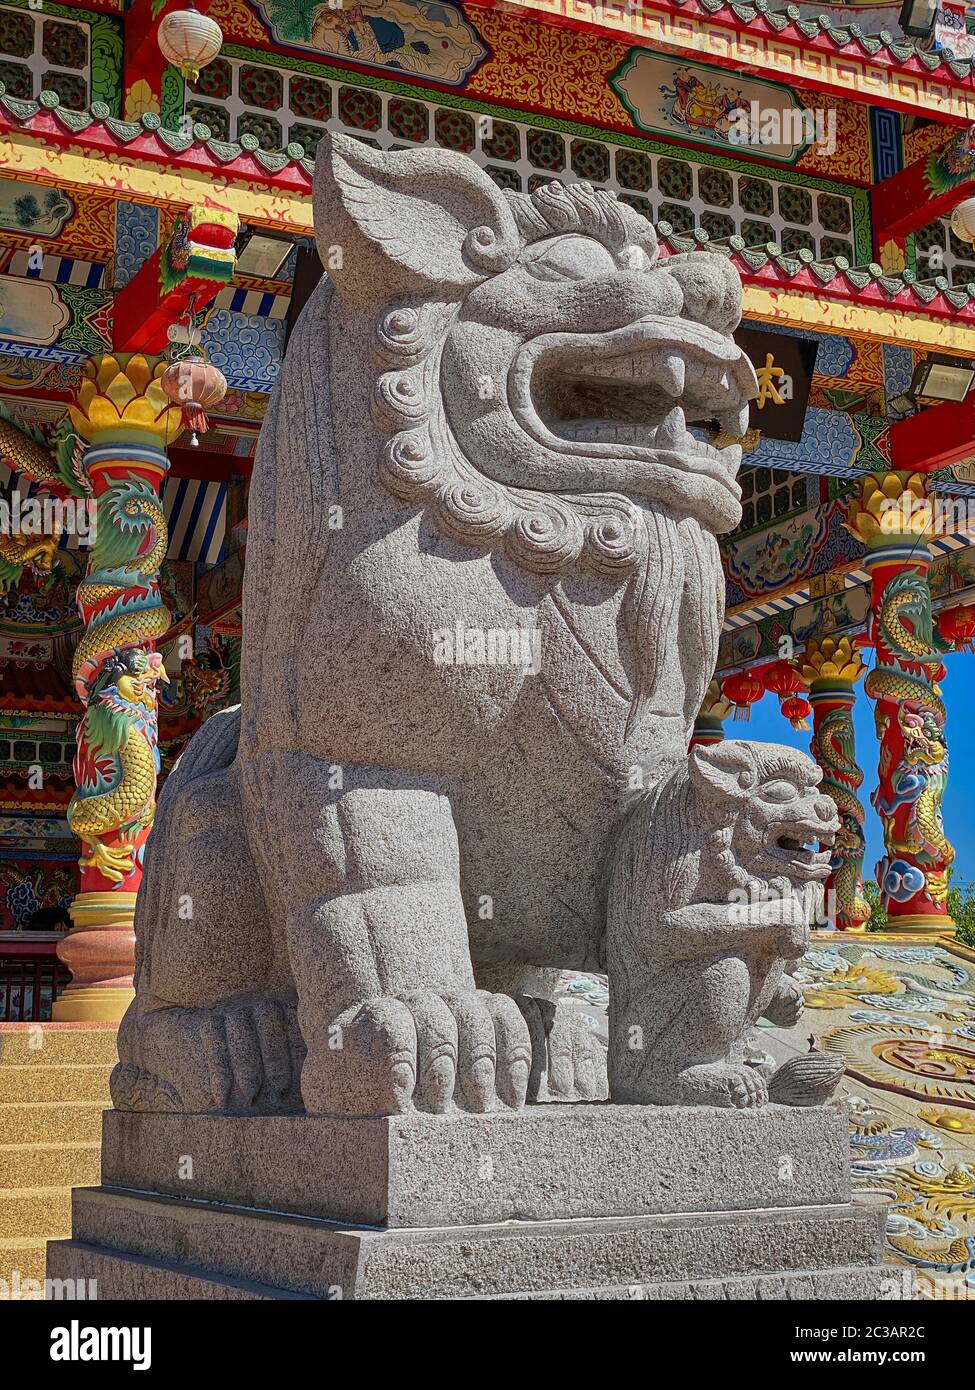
[[746, 1088], [786, 1006], [425, 1051]]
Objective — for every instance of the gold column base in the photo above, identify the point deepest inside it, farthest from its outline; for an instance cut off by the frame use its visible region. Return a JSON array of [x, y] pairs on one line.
[[918, 922], [100, 953], [92, 1004]]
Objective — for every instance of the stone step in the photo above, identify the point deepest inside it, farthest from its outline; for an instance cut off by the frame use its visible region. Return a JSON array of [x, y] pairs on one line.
[[531, 1258], [51, 1122], [115, 1275], [146, 1279], [25, 1082], [821, 1285], [54, 1165], [24, 1255], [60, 1044], [34, 1211]]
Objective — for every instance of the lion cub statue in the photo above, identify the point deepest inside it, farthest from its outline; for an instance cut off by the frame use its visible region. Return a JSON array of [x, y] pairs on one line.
[[712, 891]]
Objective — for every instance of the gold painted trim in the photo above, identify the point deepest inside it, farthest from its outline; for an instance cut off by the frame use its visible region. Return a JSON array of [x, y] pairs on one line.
[[102, 910], [800, 309], [128, 178], [918, 923], [92, 1004], [785, 60]]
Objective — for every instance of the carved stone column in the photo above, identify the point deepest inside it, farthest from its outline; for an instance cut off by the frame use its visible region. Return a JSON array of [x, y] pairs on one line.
[[891, 517], [709, 724], [126, 421], [832, 667]]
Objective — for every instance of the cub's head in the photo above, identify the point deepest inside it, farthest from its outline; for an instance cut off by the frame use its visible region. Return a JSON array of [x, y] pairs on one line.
[[766, 797], [538, 363]]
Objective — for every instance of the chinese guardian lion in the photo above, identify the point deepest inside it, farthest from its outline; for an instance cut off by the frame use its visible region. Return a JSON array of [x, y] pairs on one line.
[[481, 427]]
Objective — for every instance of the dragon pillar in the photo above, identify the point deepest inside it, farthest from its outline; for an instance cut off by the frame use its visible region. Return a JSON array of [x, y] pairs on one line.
[[891, 517], [126, 420], [832, 667]]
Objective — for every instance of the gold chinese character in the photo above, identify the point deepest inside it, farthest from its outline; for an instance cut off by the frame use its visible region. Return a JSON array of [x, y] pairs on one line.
[[767, 390]]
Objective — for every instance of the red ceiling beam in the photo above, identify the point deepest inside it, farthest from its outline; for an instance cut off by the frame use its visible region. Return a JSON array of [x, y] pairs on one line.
[[934, 438]]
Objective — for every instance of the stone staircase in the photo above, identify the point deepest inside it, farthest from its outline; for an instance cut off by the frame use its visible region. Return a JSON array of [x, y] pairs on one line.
[[53, 1089]]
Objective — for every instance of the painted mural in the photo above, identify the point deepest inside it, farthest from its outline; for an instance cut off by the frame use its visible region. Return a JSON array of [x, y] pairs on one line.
[[772, 557], [38, 212], [432, 40], [46, 317], [698, 102], [32, 311]]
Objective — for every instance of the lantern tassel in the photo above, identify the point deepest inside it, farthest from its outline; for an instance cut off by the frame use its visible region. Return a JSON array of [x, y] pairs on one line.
[[743, 714], [195, 417]]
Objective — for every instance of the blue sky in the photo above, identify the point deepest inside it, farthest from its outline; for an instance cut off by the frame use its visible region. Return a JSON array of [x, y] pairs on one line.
[[958, 688]]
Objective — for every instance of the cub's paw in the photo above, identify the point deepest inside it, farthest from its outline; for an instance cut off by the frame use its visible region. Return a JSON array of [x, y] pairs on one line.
[[786, 1006], [722, 1085], [423, 1051], [568, 1059]]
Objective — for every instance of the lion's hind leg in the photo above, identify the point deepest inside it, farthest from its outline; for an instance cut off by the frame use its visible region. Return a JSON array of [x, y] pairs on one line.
[[693, 1056]]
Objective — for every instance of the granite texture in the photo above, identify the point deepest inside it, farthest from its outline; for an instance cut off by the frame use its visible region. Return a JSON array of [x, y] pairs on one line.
[[482, 605], [711, 895], [549, 1163], [130, 1241]]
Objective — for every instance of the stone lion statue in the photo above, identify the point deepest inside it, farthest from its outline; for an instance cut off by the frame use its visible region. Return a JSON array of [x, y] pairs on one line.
[[482, 600]]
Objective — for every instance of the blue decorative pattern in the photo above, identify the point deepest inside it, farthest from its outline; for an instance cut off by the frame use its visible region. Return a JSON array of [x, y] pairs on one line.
[[898, 368], [245, 347], [887, 141], [136, 238], [835, 354], [827, 445]]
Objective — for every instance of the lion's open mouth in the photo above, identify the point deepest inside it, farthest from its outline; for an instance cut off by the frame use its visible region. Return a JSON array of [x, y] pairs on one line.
[[634, 391], [806, 848]]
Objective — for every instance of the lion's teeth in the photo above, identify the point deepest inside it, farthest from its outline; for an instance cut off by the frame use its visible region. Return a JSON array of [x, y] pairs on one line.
[[671, 433], [734, 422], [670, 369]]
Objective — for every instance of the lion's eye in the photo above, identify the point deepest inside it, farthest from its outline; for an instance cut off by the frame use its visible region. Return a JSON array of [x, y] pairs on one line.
[[569, 258], [779, 792]]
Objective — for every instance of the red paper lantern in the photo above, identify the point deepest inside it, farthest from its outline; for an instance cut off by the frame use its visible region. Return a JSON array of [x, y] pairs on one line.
[[194, 384], [742, 689], [957, 625], [782, 678], [797, 710]]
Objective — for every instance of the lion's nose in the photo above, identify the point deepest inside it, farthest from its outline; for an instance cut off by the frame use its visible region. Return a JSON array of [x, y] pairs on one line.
[[825, 808], [711, 287]]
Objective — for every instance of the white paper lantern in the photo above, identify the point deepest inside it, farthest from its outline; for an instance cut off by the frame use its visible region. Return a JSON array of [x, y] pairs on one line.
[[189, 40], [963, 220]]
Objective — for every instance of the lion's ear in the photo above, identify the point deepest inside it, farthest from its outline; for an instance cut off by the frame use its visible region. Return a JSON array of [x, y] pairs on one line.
[[395, 224], [727, 768]]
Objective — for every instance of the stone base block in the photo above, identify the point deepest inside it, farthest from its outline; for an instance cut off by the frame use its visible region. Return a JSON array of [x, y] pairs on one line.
[[597, 1202], [550, 1163]]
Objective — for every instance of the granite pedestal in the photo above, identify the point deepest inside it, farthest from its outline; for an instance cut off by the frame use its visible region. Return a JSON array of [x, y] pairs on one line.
[[580, 1201]]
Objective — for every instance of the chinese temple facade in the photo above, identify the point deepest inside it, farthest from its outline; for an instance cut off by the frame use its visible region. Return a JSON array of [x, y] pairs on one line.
[[156, 244]]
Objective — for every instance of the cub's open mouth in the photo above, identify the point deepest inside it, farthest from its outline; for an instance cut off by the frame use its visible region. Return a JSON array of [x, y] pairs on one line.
[[633, 392], [805, 847]]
